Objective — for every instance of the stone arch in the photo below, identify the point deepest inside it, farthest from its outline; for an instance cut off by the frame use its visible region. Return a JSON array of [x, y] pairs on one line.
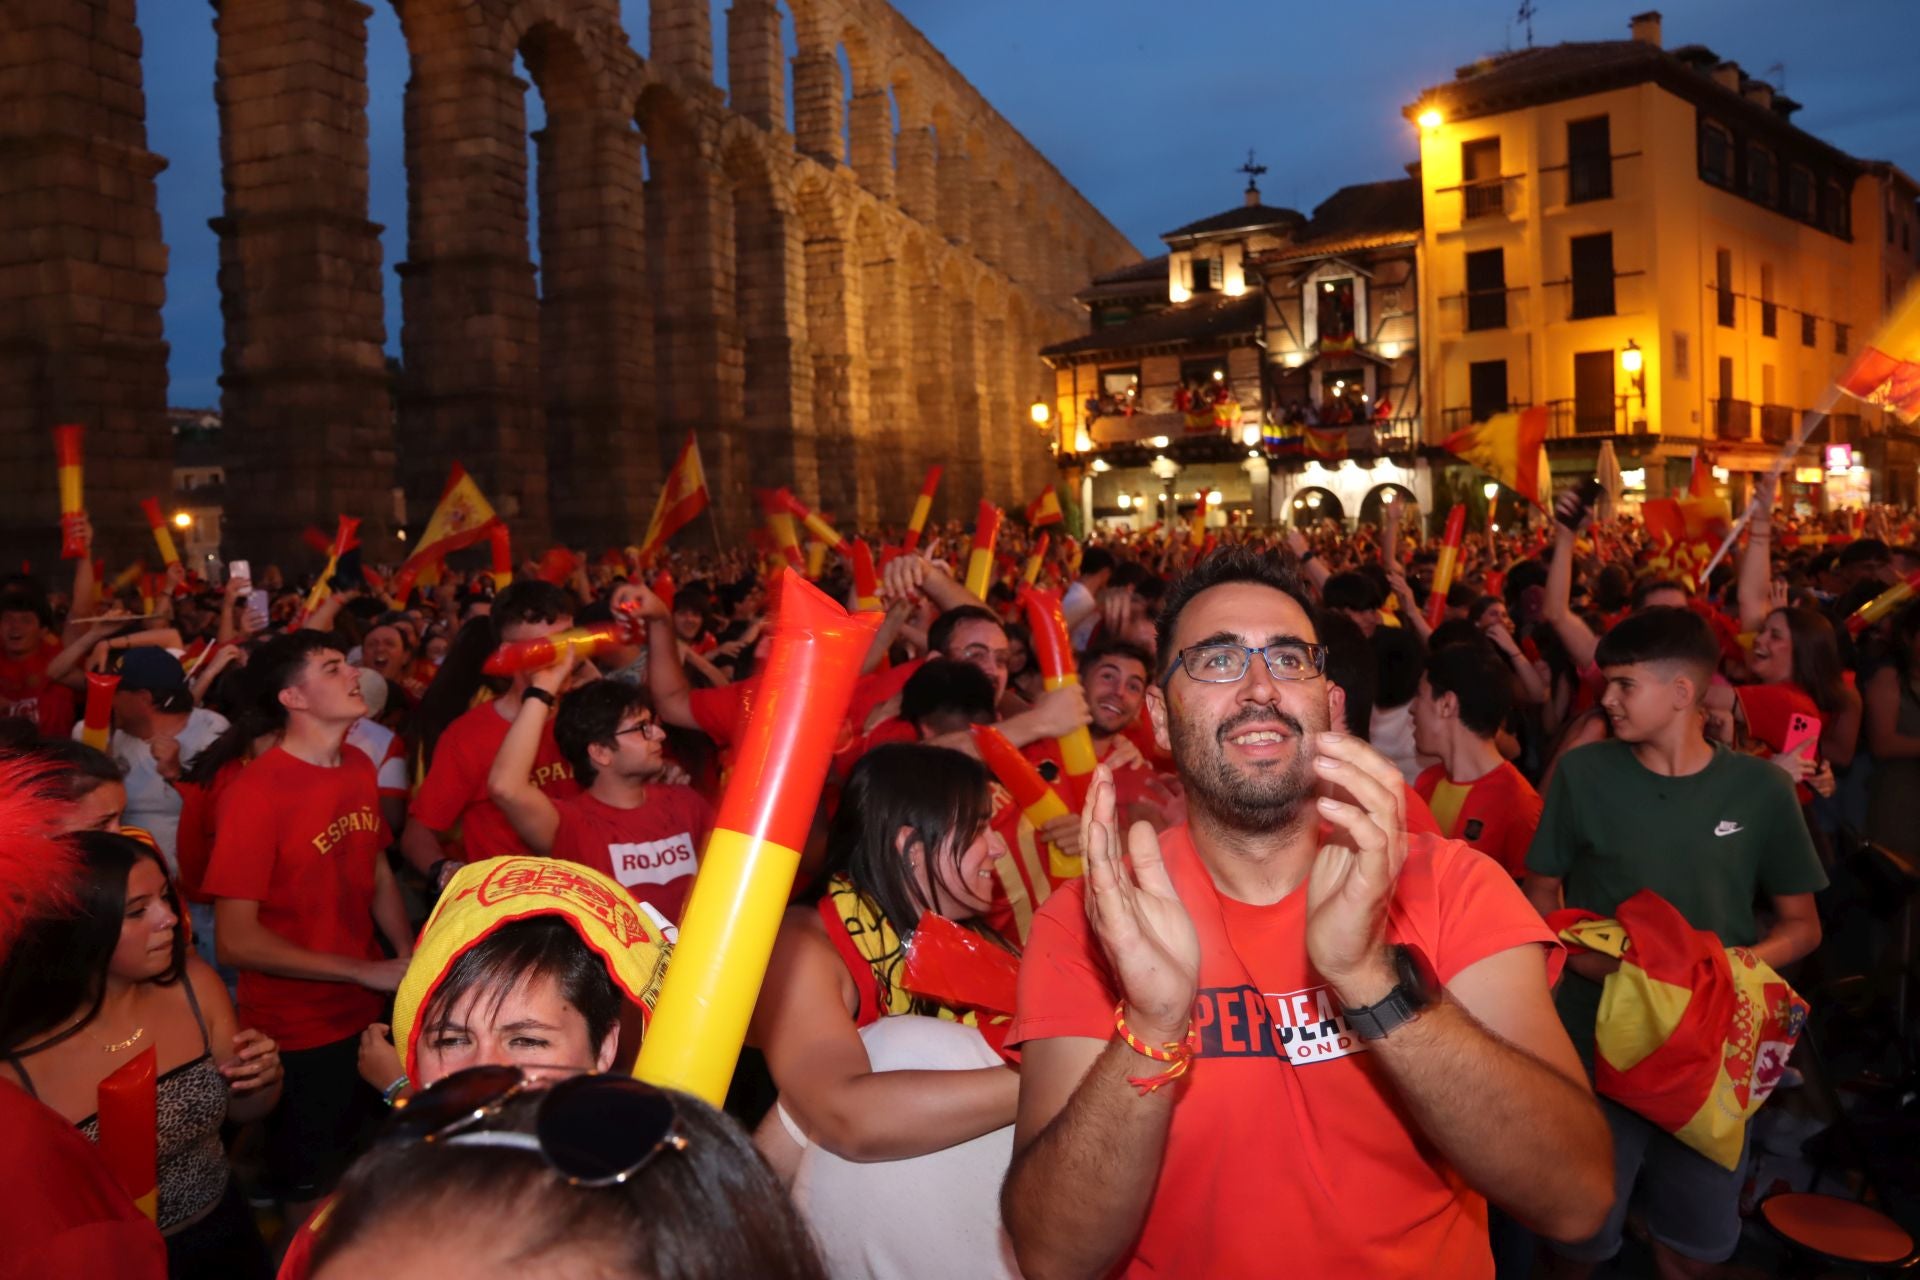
[[1382, 496], [1314, 503]]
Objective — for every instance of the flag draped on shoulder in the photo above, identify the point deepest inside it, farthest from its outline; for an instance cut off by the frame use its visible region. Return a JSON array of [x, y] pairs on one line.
[[462, 519], [683, 497], [1887, 370], [1510, 447]]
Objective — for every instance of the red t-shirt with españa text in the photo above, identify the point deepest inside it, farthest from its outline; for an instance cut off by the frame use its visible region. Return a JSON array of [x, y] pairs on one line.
[[454, 793]]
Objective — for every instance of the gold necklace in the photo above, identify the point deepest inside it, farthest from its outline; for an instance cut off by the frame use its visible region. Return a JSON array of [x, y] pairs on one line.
[[128, 1043]]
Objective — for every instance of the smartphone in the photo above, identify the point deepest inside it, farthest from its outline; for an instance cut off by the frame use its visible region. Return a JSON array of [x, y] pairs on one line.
[[239, 570], [1571, 508], [1803, 736]]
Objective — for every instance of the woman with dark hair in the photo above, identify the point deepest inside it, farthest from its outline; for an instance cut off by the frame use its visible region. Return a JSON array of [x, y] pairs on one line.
[[457, 687], [109, 975], [894, 1130], [591, 1175], [1796, 660]]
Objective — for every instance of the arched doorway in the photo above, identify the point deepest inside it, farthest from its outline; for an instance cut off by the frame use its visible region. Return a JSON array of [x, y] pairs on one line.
[[1375, 507], [1313, 504]]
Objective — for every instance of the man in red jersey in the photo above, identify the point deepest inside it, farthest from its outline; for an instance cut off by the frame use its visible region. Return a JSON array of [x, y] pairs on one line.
[[454, 800], [299, 880], [1475, 793]]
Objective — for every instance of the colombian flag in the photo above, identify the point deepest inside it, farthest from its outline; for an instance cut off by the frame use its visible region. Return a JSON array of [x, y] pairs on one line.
[[1510, 447], [1887, 372], [1045, 509], [462, 518], [683, 497]]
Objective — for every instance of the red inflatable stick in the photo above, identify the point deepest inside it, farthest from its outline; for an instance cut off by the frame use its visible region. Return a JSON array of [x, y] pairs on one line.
[[162, 536], [1036, 797], [1035, 558], [922, 508], [97, 725], [532, 655], [986, 531], [866, 582], [1443, 568], [73, 502], [1053, 650], [129, 1110], [960, 968], [1883, 604], [816, 525]]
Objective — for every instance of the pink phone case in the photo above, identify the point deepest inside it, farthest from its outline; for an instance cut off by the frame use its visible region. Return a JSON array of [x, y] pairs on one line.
[[1802, 729]]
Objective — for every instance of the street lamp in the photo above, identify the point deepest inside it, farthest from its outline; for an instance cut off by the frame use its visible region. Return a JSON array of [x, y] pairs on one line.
[[1040, 414], [1158, 442], [1431, 119], [1634, 362], [183, 520], [1491, 490], [1250, 434]]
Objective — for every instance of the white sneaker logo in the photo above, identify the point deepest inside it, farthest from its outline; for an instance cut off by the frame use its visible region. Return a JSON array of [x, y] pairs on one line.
[[1727, 828]]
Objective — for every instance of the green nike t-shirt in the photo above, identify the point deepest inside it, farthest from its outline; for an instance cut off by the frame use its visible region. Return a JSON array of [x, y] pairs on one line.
[[1710, 843]]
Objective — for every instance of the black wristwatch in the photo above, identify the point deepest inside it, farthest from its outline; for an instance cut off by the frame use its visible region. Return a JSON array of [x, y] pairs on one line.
[[1416, 989], [1307, 555], [537, 694]]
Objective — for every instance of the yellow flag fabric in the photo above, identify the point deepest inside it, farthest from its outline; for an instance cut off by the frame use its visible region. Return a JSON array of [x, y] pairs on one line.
[[683, 497], [1510, 447], [483, 896], [462, 518]]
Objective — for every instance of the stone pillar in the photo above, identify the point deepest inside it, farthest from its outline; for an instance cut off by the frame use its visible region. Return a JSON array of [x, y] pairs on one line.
[[884, 444], [307, 402], [596, 335], [754, 59], [834, 333], [930, 416], [770, 290], [955, 207], [818, 102], [872, 129], [966, 472], [915, 182], [470, 392], [82, 277], [680, 39], [987, 219], [997, 439]]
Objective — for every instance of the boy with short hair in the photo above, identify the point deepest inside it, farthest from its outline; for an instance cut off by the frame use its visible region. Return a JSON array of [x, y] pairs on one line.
[[1661, 807], [1475, 793]]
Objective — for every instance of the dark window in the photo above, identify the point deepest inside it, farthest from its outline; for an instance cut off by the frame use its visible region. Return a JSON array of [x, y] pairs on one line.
[[1716, 154], [1725, 375], [1108, 317], [1723, 285], [1769, 319], [1487, 289], [1807, 325], [1589, 160], [1593, 392], [1839, 211], [1206, 275], [1682, 356], [1481, 187], [1763, 175], [1487, 388], [1592, 258], [1800, 192], [1840, 338]]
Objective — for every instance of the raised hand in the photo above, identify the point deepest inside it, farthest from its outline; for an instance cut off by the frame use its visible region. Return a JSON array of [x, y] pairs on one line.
[[1142, 925], [1352, 882]]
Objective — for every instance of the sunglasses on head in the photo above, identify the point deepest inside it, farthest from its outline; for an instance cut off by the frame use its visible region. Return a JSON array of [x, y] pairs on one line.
[[592, 1130]]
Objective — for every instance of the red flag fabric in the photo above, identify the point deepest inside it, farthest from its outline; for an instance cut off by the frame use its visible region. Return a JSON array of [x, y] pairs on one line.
[[1045, 509], [683, 497]]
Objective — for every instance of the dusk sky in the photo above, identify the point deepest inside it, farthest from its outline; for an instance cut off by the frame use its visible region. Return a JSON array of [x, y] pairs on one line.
[[1148, 107]]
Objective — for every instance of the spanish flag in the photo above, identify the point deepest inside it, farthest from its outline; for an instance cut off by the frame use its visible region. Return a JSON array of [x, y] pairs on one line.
[[1325, 442], [1045, 509], [1510, 447], [682, 498], [463, 518], [1887, 372]]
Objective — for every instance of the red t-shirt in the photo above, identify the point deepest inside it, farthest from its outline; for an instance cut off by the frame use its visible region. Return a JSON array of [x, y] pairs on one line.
[[26, 692], [454, 793], [1290, 1151], [1495, 813], [302, 841], [653, 850], [199, 819], [1770, 709]]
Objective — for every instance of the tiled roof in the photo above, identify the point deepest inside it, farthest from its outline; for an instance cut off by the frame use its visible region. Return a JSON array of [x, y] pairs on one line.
[[1365, 216], [1207, 318], [1244, 217]]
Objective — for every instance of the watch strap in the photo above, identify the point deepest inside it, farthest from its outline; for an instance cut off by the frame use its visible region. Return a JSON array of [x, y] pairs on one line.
[[538, 695]]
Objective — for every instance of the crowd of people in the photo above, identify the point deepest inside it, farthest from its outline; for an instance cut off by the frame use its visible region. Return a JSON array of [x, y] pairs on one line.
[[1283, 982]]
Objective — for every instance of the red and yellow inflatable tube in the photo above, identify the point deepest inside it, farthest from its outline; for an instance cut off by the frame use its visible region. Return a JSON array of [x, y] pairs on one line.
[[73, 503], [129, 1115], [1443, 567], [162, 536], [816, 524], [922, 508], [866, 581], [1883, 604], [1035, 559], [1037, 799], [986, 531], [532, 655], [746, 873], [96, 726], [1053, 650], [773, 506]]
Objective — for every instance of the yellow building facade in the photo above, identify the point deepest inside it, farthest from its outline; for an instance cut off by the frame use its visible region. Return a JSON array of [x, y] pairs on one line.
[[1642, 241]]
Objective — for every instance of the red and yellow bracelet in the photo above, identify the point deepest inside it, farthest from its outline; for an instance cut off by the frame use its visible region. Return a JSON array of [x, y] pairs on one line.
[[1177, 1054]]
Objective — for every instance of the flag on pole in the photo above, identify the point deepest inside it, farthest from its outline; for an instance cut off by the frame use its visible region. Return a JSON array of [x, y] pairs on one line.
[[1510, 447], [343, 541], [683, 497], [1045, 509], [462, 518], [1887, 370]]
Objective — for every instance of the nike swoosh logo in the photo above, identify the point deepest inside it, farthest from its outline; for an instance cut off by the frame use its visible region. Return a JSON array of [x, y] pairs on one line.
[[1727, 828]]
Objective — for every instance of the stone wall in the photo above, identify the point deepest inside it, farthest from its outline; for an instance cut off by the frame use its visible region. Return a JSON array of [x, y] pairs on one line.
[[831, 302]]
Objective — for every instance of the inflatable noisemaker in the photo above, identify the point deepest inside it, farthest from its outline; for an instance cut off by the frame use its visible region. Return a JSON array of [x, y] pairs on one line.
[[986, 531], [73, 504], [97, 724], [1053, 650], [500, 544], [956, 967], [130, 1130], [1037, 799], [773, 505], [1443, 567], [162, 536], [1883, 604], [1197, 522], [532, 655], [816, 559], [866, 582], [662, 586], [817, 526], [922, 508], [747, 870], [1036, 558]]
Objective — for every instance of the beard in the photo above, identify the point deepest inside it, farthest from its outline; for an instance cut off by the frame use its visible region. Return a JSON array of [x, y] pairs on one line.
[[1241, 799]]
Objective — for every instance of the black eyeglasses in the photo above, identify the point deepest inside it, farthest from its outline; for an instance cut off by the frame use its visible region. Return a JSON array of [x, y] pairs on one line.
[[1226, 663], [592, 1130], [645, 726]]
